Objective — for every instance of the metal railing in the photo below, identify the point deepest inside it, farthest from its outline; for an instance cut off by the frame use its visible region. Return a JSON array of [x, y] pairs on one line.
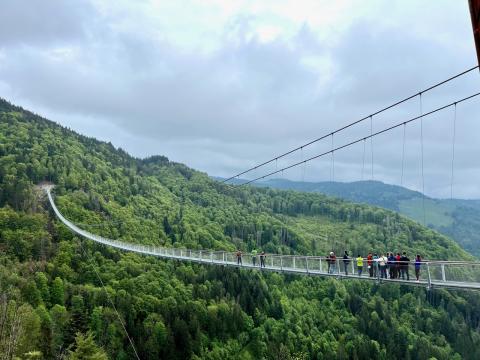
[[432, 273]]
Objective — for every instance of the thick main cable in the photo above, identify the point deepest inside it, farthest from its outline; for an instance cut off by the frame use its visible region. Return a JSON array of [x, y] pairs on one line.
[[453, 148], [362, 138], [423, 174], [371, 142], [352, 124], [363, 160], [403, 152]]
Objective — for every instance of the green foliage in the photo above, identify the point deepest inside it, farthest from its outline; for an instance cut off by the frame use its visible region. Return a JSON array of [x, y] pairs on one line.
[[58, 296], [180, 310], [42, 286], [60, 320], [86, 349]]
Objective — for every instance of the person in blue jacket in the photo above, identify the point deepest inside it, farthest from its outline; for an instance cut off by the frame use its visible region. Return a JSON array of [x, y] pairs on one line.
[[418, 264], [391, 265]]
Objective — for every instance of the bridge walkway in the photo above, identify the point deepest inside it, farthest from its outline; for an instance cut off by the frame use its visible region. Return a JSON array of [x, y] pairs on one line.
[[434, 273]]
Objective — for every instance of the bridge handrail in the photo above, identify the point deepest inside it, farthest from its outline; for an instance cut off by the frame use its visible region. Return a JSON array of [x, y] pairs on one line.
[[233, 253], [279, 262]]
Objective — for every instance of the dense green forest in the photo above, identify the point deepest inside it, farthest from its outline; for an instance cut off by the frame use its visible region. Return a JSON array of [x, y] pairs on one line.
[[456, 218], [53, 304]]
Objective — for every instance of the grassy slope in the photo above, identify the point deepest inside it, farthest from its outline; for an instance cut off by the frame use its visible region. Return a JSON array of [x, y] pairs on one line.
[[459, 219], [438, 213]]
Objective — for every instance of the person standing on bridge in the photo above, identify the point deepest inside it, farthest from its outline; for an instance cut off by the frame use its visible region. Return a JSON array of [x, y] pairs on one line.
[[239, 257], [262, 259], [359, 265], [418, 264], [391, 265], [332, 260], [375, 265], [404, 263], [346, 262], [370, 264], [397, 266], [382, 264], [254, 257]]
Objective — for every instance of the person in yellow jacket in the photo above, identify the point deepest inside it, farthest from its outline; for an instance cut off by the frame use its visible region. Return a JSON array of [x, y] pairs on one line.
[[359, 265]]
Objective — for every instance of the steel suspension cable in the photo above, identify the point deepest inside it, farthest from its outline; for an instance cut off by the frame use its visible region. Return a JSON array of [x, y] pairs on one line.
[[371, 141], [301, 159], [353, 123], [423, 175], [90, 259], [363, 138], [453, 147], [403, 152], [332, 177], [363, 160], [303, 169]]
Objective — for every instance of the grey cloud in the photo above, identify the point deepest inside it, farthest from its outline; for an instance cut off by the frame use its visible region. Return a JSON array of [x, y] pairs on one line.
[[225, 110], [24, 22], [215, 95]]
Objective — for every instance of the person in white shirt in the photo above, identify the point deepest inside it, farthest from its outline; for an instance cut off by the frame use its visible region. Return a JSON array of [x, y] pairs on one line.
[[382, 264]]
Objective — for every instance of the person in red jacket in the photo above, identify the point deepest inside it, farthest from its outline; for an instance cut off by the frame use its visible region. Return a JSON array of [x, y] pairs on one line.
[[333, 263], [397, 265], [370, 264]]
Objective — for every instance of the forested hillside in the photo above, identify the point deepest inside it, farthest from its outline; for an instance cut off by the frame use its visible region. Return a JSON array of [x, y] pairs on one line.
[[53, 304], [459, 219]]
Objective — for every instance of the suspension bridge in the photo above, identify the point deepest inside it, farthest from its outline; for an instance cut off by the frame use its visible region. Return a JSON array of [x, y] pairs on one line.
[[434, 273]]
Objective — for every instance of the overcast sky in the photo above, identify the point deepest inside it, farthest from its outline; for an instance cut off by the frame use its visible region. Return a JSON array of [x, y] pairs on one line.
[[221, 85]]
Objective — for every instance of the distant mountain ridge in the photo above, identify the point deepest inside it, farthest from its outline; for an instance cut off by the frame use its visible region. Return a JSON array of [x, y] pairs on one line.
[[457, 218], [370, 192]]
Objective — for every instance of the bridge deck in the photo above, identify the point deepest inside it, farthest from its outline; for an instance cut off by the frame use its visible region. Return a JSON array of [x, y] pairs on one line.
[[434, 273]]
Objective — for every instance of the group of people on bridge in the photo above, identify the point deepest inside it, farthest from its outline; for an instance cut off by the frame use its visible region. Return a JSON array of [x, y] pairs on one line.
[[254, 254], [389, 266]]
